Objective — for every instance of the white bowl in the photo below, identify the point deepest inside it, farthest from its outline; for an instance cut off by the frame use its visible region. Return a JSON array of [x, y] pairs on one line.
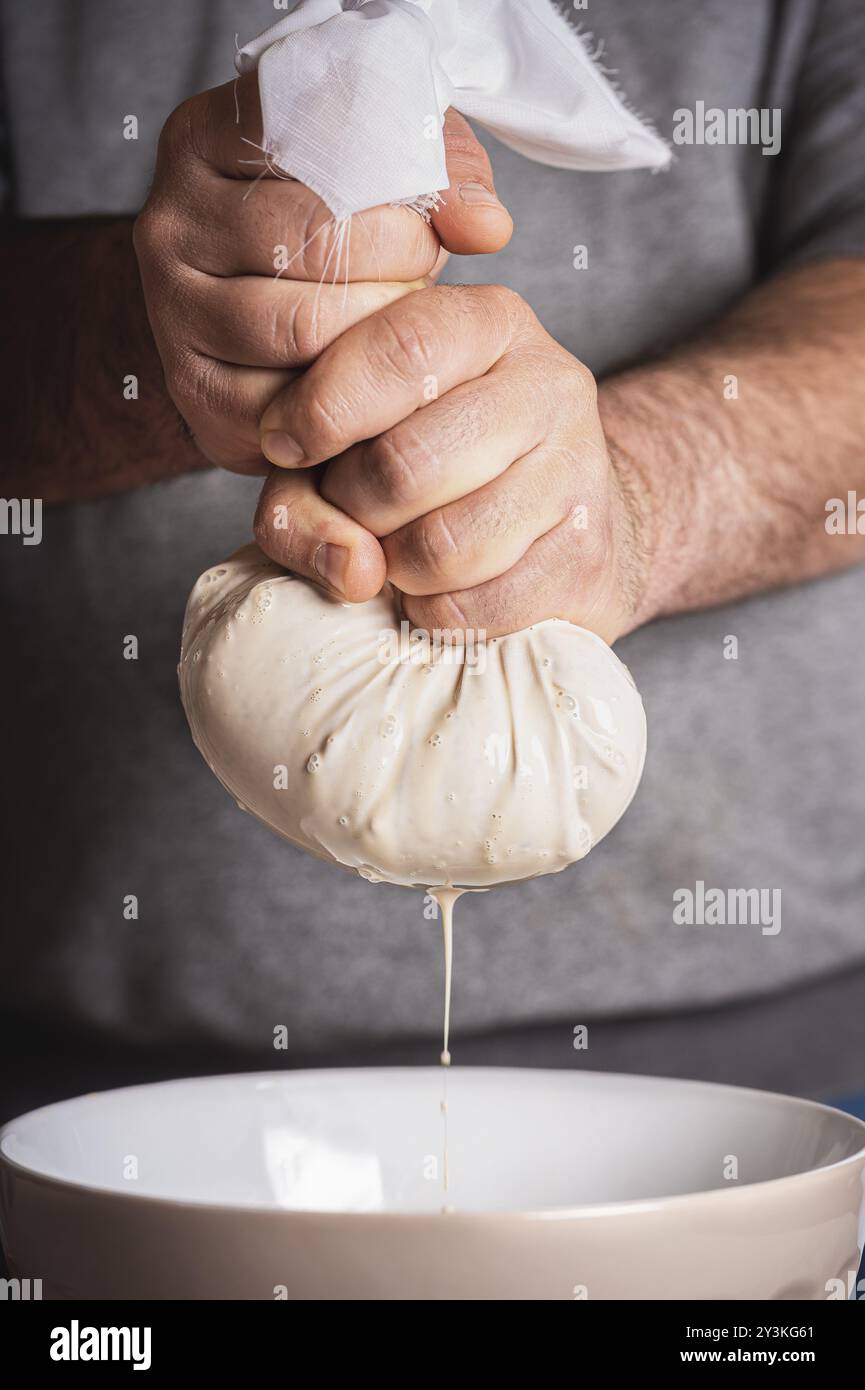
[[328, 1184]]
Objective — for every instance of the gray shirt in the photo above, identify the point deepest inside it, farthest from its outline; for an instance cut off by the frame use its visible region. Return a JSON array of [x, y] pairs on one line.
[[754, 777]]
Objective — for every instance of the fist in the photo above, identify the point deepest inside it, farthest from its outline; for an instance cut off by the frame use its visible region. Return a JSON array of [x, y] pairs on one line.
[[467, 444], [247, 278]]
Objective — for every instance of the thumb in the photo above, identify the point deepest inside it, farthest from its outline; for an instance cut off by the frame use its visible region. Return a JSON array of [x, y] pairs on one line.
[[470, 221]]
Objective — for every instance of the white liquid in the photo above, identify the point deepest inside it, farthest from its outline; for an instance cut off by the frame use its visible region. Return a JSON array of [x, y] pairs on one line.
[[445, 898], [443, 1106]]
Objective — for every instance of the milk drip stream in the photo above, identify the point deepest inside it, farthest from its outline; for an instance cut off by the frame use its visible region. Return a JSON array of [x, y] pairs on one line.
[[445, 898]]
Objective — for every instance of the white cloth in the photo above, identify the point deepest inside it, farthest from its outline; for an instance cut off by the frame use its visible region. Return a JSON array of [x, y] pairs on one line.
[[418, 762], [353, 94]]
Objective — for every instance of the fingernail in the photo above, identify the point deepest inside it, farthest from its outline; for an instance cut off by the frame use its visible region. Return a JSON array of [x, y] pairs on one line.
[[330, 562], [281, 449], [477, 194]]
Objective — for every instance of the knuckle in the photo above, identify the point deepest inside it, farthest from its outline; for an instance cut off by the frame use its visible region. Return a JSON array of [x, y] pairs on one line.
[[585, 385], [302, 330], [504, 313], [193, 381], [506, 297], [322, 418], [317, 243], [396, 463], [153, 231], [403, 345], [431, 547], [442, 611], [433, 543], [177, 132], [506, 304], [142, 232], [202, 386], [224, 428], [563, 387], [454, 611], [168, 285], [269, 326]]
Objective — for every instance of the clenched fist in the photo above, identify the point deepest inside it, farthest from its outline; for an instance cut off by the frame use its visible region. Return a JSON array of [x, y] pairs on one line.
[[492, 505], [244, 277]]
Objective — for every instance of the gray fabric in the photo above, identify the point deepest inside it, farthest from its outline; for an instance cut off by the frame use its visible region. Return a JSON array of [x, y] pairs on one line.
[[755, 768]]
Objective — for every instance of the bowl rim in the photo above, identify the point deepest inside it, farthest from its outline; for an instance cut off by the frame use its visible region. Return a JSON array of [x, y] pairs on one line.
[[580, 1212]]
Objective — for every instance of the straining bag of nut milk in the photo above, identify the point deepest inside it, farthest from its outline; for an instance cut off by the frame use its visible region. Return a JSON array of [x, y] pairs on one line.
[[407, 759]]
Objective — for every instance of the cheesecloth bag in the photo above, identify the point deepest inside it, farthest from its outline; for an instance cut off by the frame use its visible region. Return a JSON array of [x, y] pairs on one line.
[[407, 760]]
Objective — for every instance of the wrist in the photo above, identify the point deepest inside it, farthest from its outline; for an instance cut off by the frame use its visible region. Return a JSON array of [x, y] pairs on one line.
[[636, 530], [655, 510]]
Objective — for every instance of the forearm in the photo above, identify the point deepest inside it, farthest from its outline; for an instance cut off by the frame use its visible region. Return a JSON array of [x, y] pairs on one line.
[[735, 443], [75, 329]]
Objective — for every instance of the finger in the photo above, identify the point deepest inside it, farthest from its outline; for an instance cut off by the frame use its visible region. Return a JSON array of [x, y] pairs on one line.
[[441, 453], [222, 405], [277, 227], [222, 126], [256, 322], [383, 369], [241, 217], [530, 592], [470, 220], [486, 533], [218, 130], [300, 530], [441, 261]]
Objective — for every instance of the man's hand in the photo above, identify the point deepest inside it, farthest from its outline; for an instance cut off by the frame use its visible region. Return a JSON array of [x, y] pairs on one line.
[[246, 284], [492, 506]]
